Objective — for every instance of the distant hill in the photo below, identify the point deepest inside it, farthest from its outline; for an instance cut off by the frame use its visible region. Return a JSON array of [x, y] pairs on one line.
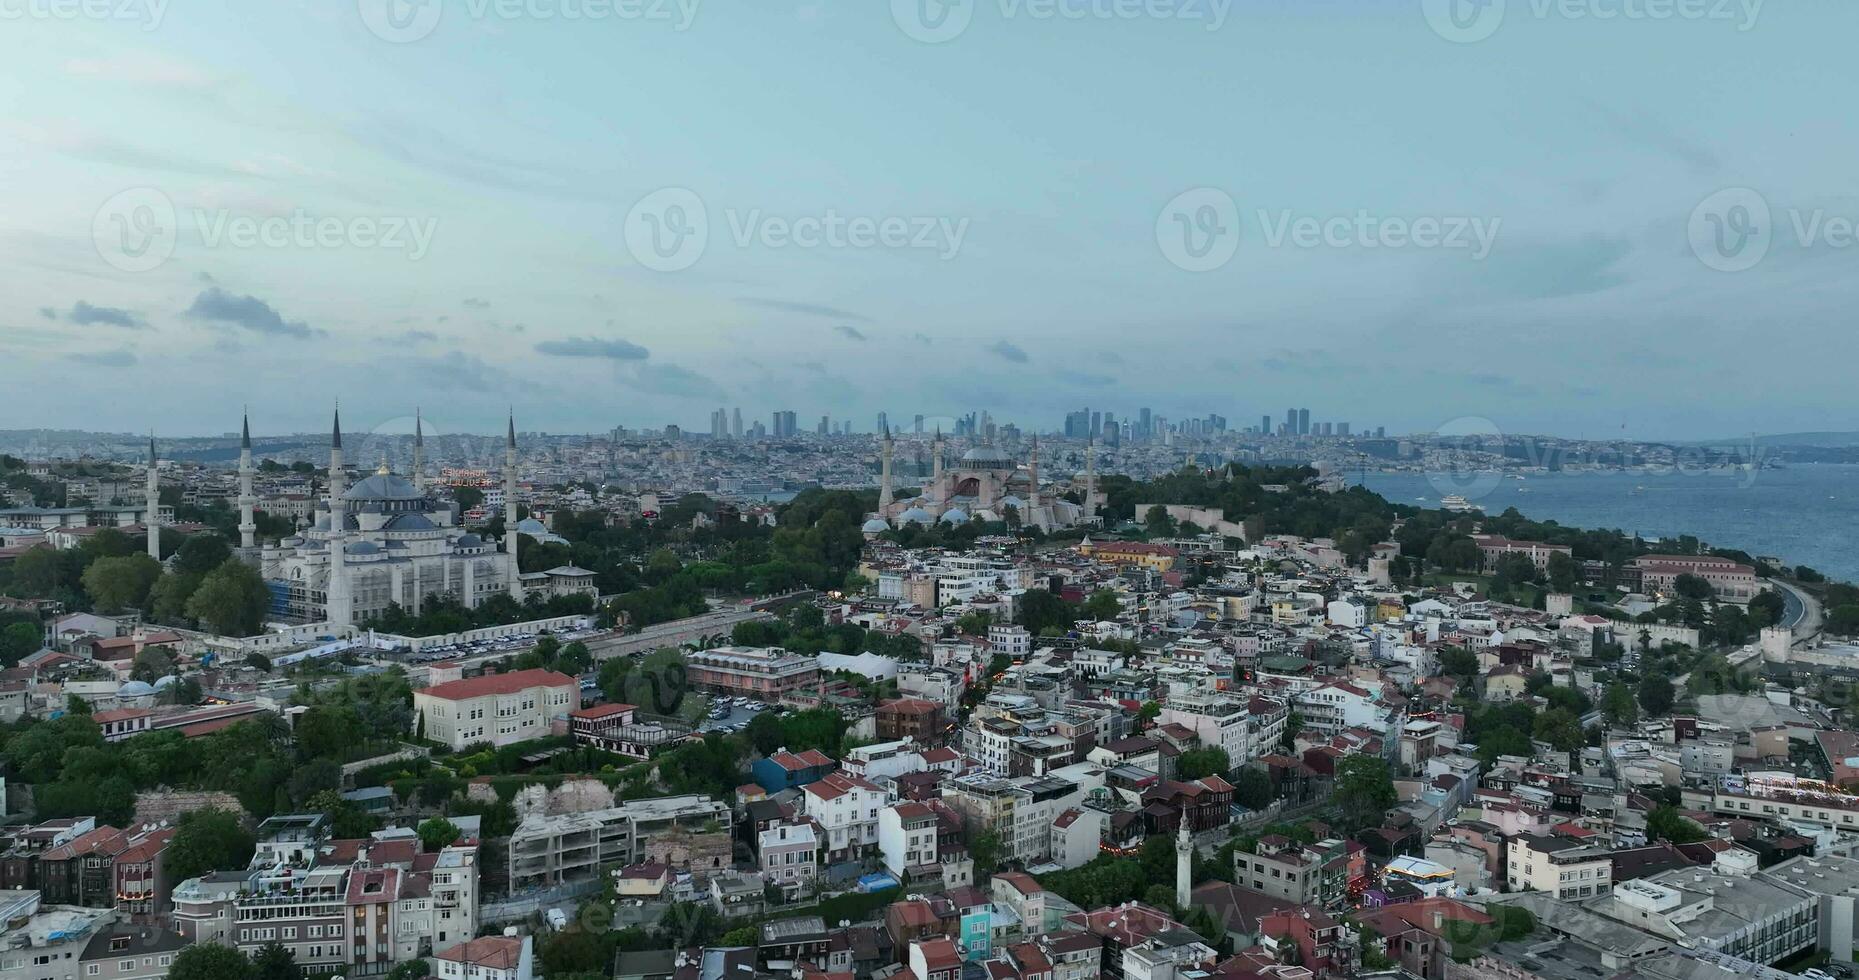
[[1818, 440]]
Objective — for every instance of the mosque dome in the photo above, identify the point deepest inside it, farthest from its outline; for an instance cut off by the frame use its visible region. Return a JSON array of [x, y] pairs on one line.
[[135, 689], [362, 548], [383, 486], [410, 522], [917, 514], [469, 541], [875, 526], [955, 515], [986, 458], [166, 681]]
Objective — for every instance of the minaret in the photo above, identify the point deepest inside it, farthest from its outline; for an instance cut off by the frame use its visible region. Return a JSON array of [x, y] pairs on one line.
[[1184, 866], [248, 524], [1090, 477], [936, 491], [419, 452], [884, 486], [153, 502], [509, 509], [338, 605], [1031, 517]]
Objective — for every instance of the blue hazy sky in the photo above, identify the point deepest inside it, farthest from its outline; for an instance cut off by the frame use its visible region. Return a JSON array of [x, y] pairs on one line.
[[1055, 144]]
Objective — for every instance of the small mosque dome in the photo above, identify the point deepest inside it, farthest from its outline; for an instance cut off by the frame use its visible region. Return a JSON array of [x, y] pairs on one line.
[[875, 526], [955, 515], [135, 689], [916, 514]]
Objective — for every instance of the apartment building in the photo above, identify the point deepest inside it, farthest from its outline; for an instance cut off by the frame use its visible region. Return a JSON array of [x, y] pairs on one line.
[[498, 708], [907, 838], [1559, 866], [120, 951], [846, 808], [790, 858], [488, 958], [1219, 720], [763, 673], [550, 850], [1339, 705], [45, 942], [1298, 873]]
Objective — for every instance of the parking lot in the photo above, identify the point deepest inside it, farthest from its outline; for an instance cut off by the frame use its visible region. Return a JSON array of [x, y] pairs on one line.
[[736, 718], [502, 646]]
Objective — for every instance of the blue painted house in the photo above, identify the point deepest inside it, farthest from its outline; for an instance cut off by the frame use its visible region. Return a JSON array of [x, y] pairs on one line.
[[787, 770]]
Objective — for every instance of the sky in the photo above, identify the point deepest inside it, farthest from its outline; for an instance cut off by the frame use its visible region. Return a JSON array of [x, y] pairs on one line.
[[1591, 218]]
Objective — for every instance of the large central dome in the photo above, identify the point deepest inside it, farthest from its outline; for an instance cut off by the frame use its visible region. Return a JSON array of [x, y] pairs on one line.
[[383, 486], [986, 458]]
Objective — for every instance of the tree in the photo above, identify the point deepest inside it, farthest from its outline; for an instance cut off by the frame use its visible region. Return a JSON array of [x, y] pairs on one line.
[[1561, 729], [1157, 523], [274, 961], [1040, 608], [1196, 763], [1656, 695], [1363, 790], [1252, 788], [200, 554], [1564, 573], [1103, 605], [1149, 711], [210, 961], [18, 640], [1766, 608], [1618, 706], [152, 664], [117, 584], [1666, 823], [1692, 586], [437, 832], [232, 599], [205, 841]]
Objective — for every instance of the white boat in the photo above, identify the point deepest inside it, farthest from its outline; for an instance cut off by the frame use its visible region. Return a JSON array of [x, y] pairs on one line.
[[1458, 504]]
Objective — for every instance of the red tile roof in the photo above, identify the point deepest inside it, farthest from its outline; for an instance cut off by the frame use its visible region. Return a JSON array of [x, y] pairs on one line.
[[495, 952], [511, 683], [602, 711]]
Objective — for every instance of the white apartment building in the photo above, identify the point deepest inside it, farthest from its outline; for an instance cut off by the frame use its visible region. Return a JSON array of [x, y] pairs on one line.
[[1010, 641], [1220, 720], [1565, 868], [907, 837], [846, 807], [498, 708], [1340, 705]]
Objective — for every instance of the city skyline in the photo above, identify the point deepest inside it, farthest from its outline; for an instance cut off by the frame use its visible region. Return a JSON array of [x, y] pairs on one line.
[[483, 254]]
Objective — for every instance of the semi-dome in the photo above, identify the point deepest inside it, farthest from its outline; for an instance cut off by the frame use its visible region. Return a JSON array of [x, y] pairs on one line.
[[917, 514], [875, 526], [362, 548], [410, 522], [955, 515], [469, 541]]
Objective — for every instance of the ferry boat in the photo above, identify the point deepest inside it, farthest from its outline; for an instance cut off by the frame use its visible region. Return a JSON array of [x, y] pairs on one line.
[[1457, 504]]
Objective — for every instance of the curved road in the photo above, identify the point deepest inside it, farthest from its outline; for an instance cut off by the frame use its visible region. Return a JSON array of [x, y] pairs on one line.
[[1800, 611]]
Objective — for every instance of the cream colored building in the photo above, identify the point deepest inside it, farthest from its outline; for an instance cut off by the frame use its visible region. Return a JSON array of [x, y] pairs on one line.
[[498, 708], [1567, 869]]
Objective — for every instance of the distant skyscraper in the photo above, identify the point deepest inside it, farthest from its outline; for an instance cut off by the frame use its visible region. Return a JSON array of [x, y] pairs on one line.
[[735, 423], [1097, 422], [1144, 425], [884, 422], [1265, 425], [786, 425], [918, 425], [1303, 421], [824, 427], [1342, 429]]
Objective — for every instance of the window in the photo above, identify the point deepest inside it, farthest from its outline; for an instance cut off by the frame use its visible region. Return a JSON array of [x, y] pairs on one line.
[[90, 969]]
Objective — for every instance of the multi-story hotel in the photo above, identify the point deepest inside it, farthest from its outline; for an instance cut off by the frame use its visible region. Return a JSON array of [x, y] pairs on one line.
[[763, 673], [551, 850], [1731, 580], [498, 708]]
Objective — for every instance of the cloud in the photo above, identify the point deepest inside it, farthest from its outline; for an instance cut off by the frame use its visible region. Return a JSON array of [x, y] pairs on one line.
[[849, 331], [48, 313], [477, 304], [250, 312], [595, 347], [456, 369], [674, 381], [1085, 379], [1645, 130], [921, 338], [1009, 351], [806, 309], [416, 337], [85, 315], [105, 358]]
